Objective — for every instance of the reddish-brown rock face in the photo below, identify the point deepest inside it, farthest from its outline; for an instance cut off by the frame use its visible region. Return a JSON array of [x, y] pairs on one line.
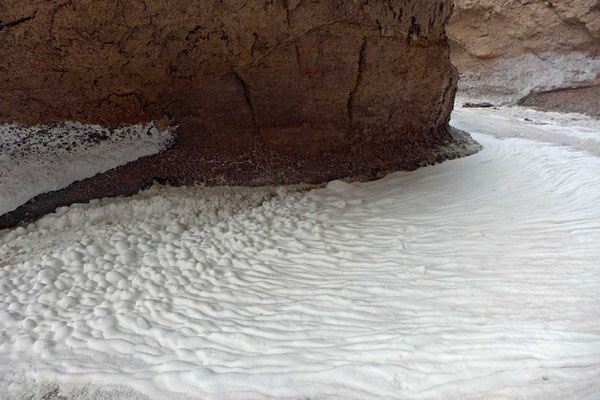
[[262, 91]]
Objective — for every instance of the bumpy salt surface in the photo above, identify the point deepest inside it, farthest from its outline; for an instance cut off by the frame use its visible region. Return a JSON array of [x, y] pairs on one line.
[[42, 158], [475, 279]]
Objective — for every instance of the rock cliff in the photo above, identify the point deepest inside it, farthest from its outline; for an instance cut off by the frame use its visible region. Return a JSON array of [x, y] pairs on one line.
[[508, 49], [261, 92]]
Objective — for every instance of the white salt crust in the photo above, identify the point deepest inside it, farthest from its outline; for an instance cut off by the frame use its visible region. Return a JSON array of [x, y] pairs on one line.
[[477, 278]]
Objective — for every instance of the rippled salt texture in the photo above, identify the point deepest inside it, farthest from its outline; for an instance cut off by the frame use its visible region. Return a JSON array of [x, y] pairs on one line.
[[42, 158], [478, 278]]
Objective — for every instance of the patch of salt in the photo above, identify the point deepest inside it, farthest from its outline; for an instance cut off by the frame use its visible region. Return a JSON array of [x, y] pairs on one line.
[[42, 158]]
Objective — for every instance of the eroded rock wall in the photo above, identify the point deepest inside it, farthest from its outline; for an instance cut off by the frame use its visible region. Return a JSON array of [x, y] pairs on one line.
[[508, 49], [262, 92]]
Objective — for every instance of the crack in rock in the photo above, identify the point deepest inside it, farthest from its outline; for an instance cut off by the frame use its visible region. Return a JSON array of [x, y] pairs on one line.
[[361, 62], [16, 22]]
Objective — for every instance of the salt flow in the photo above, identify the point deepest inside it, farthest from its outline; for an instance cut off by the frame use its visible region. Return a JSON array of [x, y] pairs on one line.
[[478, 278]]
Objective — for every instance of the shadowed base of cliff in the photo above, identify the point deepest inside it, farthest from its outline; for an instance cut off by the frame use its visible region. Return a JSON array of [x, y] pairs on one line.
[[186, 163]]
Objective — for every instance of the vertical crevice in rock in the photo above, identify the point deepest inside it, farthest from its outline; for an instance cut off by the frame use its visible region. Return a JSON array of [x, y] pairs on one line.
[[361, 62], [287, 12], [248, 101], [415, 29], [445, 106], [298, 61]]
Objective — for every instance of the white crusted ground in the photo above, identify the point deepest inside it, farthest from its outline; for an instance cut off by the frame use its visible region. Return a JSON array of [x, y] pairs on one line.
[[571, 130], [42, 158], [478, 278]]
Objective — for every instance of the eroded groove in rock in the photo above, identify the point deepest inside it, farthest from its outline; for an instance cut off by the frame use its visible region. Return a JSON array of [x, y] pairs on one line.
[[262, 92]]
